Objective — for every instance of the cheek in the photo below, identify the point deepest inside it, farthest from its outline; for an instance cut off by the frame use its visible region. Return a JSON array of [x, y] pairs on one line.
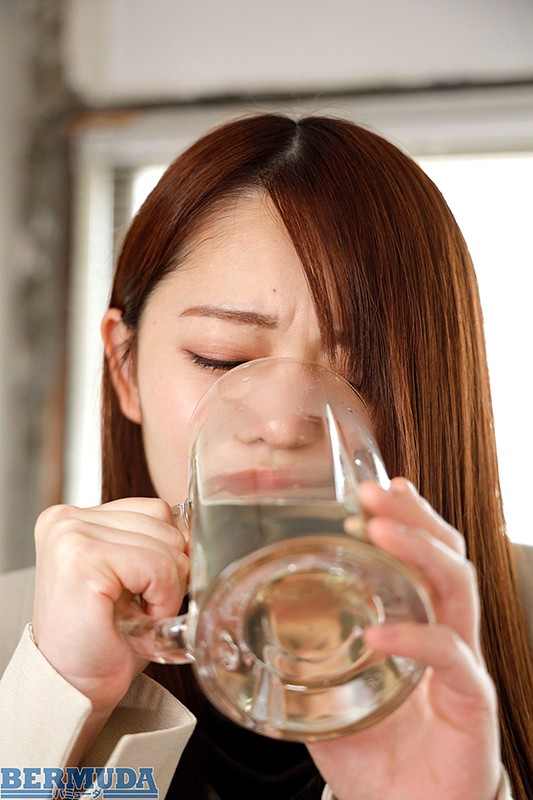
[[166, 408]]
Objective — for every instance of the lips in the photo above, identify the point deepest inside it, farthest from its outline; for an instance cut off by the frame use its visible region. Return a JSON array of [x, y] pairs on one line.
[[258, 482]]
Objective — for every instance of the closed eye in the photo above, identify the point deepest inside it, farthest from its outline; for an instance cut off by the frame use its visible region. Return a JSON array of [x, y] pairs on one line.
[[214, 364]]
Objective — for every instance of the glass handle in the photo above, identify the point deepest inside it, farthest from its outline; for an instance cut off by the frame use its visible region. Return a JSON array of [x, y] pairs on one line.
[[162, 640], [182, 517]]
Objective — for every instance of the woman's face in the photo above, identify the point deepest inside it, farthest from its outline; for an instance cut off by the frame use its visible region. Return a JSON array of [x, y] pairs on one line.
[[239, 294]]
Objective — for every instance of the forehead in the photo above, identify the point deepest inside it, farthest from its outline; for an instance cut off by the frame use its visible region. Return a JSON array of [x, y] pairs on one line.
[[242, 256]]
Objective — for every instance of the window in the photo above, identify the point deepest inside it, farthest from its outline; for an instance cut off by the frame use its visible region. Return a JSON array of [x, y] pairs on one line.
[[480, 154], [491, 197]]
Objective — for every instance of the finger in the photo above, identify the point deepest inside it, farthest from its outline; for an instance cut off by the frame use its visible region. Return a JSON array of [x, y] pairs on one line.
[[154, 540], [450, 579], [109, 568], [404, 504], [461, 684], [126, 523], [152, 506], [62, 519]]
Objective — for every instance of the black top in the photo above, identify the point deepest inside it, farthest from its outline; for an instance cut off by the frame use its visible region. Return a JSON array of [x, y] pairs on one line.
[[230, 762]]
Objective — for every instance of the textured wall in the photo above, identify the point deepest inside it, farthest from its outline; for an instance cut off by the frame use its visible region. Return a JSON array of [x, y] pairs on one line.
[[34, 197]]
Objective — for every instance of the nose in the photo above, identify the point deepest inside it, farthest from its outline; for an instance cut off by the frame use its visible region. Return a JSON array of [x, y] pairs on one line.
[[285, 432]]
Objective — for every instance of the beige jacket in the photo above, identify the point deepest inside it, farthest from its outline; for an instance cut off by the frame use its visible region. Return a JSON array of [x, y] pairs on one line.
[[41, 714]]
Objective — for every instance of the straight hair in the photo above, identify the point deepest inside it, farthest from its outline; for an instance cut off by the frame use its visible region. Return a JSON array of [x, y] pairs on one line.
[[384, 257]]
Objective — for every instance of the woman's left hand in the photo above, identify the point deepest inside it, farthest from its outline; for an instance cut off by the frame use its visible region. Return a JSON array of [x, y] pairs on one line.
[[443, 741]]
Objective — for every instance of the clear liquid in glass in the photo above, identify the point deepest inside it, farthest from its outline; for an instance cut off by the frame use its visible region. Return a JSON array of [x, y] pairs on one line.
[[279, 642]]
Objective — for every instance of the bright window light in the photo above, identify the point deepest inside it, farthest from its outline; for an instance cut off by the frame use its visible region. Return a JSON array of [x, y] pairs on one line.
[[492, 200], [144, 181]]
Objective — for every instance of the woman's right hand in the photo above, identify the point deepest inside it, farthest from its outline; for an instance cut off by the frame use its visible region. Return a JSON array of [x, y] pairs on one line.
[[86, 558]]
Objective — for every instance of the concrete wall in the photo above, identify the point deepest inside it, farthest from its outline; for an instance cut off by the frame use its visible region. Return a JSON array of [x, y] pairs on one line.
[[33, 243], [14, 131]]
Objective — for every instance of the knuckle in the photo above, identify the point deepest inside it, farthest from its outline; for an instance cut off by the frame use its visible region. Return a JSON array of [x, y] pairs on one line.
[[466, 576], [49, 519], [469, 570], [180, 571], [421, 506], [155, 564], [491, 693], [168, 569], [53, 513], [426, 506], [458, 540], [159, 509], [453, 642], [164, 577], [176, 543], [183, 566], [73, 549]]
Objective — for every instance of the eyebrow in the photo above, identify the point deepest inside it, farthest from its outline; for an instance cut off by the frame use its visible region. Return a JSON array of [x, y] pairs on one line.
[[241, 317]]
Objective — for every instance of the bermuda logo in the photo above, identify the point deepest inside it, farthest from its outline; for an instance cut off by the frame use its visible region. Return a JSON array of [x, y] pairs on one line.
[[78, 783]]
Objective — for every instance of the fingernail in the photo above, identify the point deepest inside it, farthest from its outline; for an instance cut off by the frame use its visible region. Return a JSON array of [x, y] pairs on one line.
[[369, 490], [355, 526], [403, 485], [377, 524], [376, 635]]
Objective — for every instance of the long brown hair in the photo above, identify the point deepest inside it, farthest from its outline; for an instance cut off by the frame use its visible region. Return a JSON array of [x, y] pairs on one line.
[[382, 253]]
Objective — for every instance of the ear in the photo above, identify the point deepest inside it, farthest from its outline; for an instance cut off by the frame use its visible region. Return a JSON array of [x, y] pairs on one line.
[[116, 336]]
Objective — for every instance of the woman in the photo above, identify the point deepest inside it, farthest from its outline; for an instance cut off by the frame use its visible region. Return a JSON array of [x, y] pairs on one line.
[[319, 240]]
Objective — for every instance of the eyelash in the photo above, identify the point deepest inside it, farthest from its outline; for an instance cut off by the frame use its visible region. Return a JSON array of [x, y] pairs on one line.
[[213, 364]]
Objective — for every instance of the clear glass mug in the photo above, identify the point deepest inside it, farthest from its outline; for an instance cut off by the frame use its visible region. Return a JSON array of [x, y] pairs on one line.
[[281, 589]]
